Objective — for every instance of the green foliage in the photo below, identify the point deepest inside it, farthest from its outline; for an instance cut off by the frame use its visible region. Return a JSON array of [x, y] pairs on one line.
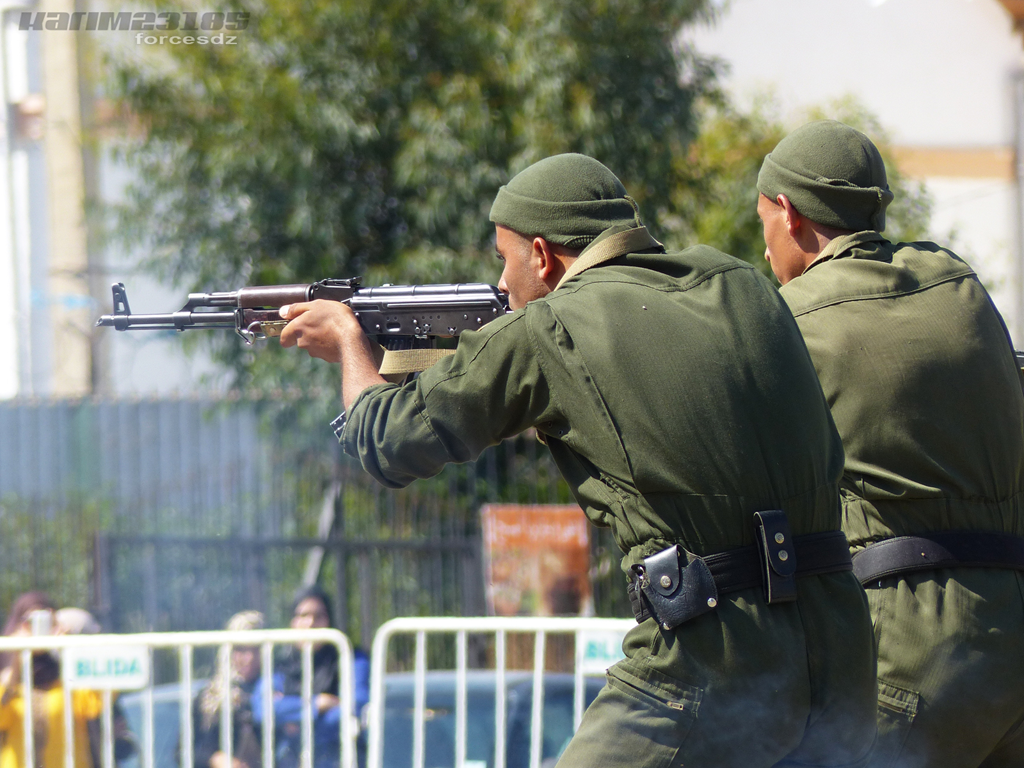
[[370, 137], [50, 547], [717, 205]]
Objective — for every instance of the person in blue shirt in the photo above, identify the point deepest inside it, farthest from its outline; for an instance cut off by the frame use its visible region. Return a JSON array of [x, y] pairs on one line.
[[311, 609]]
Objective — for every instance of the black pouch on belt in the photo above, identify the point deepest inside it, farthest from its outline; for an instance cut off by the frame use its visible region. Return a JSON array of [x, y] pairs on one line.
[[777, 555], [676, 592]]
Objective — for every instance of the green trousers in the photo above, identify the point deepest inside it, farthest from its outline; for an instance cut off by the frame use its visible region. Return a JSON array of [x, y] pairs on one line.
[[745, 686], [950, 669]]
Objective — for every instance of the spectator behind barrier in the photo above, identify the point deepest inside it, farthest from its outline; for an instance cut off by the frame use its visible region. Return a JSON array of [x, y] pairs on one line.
[[311, 609], [47, 696], [240, 679]]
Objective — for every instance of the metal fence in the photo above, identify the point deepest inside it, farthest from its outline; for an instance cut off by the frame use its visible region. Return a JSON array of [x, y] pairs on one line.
[[201, 466], [503, 709], [443, 692], [165, 515], [163, 582], [72, 468], [162, 715]]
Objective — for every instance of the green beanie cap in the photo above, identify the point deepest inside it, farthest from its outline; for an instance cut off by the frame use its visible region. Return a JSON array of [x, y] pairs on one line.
[[568, 199], [832, 174]]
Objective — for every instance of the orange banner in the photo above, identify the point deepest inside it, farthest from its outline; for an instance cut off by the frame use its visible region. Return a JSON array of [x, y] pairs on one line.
[[537, 559]]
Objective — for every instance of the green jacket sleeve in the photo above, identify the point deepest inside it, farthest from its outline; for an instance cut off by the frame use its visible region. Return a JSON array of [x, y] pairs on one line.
[[493, 387]]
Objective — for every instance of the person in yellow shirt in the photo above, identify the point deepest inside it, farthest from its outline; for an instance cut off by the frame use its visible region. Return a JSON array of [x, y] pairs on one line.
[[47, 702], [48, 730]]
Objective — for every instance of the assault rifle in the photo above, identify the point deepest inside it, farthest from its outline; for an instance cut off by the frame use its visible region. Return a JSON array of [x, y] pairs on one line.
[[396, 316]]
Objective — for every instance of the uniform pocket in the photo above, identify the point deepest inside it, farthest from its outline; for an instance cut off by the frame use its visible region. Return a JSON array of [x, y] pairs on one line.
[[638, 719], [897, 708]]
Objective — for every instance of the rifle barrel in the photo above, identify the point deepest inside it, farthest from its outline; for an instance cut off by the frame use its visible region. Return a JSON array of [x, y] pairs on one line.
[[171, 321]]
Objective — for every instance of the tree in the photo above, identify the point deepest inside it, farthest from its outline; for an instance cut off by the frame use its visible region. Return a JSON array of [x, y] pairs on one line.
[[717, 202]]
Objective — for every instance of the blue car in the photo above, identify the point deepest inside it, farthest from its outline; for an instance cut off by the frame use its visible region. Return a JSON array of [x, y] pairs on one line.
[[439, 716]]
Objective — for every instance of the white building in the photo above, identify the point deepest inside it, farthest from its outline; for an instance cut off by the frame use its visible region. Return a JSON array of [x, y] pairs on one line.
[[944, 77], [55, 269]]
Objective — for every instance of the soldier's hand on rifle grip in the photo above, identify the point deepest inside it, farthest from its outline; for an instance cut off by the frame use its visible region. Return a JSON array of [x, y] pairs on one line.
[[323, 328], [328, 330]]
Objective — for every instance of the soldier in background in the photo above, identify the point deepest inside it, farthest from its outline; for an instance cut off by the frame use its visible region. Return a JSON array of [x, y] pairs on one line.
[[919, 371]]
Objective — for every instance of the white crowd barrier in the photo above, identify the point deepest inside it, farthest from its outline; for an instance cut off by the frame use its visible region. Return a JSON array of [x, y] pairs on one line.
[[114, 664], [441, 700], [484, 709]]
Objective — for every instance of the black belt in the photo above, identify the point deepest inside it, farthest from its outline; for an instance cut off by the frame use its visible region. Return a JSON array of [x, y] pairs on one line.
[[944, 549], [743, 568]]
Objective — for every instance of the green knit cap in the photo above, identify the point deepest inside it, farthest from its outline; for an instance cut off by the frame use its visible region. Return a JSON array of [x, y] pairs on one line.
[[568, 199], [832, 174]]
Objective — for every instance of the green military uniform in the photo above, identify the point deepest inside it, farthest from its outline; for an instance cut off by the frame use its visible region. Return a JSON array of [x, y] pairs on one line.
[[919, 373], [677, 399]]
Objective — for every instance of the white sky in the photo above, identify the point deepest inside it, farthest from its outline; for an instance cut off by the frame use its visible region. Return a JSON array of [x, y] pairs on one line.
[[936, 72]]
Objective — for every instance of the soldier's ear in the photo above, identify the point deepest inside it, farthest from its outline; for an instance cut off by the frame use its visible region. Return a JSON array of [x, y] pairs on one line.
[[791, 215], [544, 258]]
